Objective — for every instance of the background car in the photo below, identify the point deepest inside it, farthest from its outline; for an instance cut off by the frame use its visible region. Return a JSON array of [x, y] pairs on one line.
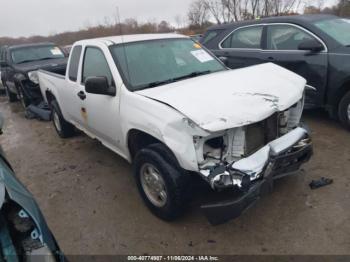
[[2, 86], [19, 66], [24, 234], [197, 37], [316, 47]]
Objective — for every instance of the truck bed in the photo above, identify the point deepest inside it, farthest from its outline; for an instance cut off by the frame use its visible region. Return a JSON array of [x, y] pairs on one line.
[[50, 81]]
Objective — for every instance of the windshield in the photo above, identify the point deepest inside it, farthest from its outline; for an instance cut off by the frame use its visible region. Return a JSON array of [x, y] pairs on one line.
[[35, 53], [336, 28], [153, 63]]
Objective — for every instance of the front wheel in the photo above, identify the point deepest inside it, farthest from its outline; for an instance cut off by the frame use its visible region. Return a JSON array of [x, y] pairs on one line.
[[162, 184], [64, 129], [344, 110]]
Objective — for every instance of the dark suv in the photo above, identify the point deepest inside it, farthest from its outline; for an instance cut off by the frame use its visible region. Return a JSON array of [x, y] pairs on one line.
[[19, 65], [316, 47]]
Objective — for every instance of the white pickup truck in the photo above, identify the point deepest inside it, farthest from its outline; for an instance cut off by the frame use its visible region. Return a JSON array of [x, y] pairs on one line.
[[174, 111]]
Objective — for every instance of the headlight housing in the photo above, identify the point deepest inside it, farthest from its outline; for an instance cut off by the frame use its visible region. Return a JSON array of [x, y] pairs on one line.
[[33, 76]]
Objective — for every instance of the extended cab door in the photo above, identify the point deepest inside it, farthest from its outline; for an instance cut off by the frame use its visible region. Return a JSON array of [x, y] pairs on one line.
[[282, 45], [101, 111], [71, 101], [242, 47]]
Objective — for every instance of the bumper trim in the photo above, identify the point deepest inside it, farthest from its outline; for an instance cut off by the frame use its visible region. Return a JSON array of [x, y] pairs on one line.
[[222, 212], [277, 167]]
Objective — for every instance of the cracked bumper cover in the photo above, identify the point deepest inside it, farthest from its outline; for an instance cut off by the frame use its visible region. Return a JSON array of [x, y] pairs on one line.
[[254, 175]]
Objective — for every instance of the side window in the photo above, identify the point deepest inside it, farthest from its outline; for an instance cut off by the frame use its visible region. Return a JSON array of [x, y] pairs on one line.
[[74, 63], [95, 64], [285, 37], [248, 37], [209, 36]]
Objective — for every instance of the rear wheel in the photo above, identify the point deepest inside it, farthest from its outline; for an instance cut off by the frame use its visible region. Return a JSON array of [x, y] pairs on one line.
[[10, 96], [344, 110], [162, 184], [64, 129]]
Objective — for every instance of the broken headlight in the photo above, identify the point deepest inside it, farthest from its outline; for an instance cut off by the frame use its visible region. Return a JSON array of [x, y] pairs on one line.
[[33, 76]]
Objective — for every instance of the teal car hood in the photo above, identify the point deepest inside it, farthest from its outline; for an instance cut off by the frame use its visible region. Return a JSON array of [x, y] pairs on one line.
[[2, 194], [12, 188]]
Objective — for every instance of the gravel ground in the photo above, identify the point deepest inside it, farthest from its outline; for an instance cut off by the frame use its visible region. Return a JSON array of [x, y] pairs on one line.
[[91, 203]]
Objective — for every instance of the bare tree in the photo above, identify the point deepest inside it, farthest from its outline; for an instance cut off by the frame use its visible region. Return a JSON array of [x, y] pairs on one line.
[[198, 13], [164, 27], [216, 9]]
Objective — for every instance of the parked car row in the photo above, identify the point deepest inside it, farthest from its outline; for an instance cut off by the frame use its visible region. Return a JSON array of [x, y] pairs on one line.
[[19, 65], [316, 47]]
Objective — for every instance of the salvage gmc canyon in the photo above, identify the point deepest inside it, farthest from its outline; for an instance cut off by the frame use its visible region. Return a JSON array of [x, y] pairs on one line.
[[174, 111]]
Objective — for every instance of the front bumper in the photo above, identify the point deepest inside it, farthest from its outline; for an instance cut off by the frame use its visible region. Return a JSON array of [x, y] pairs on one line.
[[32, 91], [254, 175]]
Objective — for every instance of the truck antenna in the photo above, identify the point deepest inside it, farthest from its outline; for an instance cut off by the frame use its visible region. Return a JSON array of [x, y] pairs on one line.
[[124, 48]]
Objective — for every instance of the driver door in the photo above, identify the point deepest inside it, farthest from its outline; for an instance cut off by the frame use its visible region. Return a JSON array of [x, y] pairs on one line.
[[282, 49], [101, 111]]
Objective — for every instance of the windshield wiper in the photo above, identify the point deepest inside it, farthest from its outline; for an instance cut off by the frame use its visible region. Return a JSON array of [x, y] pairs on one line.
[[25, 61], [172, 80], [191, 75], [46, 58], [154, 84]]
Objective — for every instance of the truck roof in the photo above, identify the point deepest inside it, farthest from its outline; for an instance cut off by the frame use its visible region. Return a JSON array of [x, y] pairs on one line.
[[110, 40]]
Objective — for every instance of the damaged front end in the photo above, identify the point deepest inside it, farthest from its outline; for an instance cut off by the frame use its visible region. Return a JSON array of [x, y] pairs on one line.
[[249, 158]]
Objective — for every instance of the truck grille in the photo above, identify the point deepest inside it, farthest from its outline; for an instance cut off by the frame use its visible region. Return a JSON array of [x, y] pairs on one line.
[[261, 133]]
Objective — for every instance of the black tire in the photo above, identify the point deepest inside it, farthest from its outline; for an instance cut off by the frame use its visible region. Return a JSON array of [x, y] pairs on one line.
[[10, 96], [176, 181], [25, 101], [63, 128], [344, 110]]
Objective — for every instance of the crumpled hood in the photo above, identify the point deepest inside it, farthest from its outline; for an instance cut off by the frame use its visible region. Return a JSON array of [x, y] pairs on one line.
[[232, 98], [48, 65]]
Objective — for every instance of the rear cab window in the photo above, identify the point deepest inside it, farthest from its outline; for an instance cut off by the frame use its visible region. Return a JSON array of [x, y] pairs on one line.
[[95, 64], [249, 37], [74, 63]]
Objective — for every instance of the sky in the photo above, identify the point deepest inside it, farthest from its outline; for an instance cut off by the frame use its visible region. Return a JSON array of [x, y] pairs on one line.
[[45, 17]]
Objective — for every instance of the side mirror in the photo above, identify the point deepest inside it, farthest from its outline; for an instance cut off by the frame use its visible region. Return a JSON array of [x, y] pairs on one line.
[[311, 45], [3, 63], [99, 85]]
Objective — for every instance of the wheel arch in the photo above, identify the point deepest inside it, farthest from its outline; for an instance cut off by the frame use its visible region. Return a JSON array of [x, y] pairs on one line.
[[138, 139], [49, 96], [340, 93]]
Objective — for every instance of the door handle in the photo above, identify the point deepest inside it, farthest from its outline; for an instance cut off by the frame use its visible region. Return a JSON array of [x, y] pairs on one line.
[[270, 58], [82, 95]]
